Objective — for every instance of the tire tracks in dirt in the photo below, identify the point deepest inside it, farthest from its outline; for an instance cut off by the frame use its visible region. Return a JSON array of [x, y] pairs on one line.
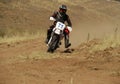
[[12, 51]]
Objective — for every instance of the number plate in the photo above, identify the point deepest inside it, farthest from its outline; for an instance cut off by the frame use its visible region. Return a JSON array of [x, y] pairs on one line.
[[60, 26], [57, 31]]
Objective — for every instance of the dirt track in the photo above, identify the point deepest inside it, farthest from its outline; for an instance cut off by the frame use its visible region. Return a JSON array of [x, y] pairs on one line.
[[74, 68], [20, 62]]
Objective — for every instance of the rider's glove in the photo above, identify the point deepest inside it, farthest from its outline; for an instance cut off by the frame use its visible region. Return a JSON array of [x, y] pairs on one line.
[[52, 18]]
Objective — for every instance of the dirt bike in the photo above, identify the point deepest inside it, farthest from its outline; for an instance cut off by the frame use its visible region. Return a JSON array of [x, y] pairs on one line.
[[57, 35]]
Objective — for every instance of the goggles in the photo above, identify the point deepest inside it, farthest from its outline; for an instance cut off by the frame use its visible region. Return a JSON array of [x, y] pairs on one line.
[[63, 10]]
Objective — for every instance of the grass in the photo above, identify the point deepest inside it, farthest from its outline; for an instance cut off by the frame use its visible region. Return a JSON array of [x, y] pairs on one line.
[[107, 42], [5, 1], [23, 37]]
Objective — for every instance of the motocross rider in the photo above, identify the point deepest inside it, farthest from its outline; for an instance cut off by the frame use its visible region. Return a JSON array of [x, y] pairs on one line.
[[60, 16]]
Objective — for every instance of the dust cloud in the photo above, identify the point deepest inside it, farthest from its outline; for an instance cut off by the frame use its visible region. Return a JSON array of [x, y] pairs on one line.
[[84, 32]]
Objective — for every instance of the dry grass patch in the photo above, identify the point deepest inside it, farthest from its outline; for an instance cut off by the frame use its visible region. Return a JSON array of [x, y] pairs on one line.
[[17, 37], [107, 42]]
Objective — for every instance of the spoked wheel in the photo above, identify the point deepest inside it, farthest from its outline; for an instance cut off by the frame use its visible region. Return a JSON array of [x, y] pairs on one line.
[[53, 43]]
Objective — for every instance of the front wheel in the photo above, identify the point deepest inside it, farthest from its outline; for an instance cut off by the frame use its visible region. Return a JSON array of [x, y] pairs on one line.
[[54, 40]]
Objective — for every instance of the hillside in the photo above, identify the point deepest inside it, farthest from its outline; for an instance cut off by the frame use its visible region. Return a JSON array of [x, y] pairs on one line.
[[87, 16]]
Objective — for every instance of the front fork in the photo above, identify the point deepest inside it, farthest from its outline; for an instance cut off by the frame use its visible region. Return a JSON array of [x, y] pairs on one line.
[[50, 38]]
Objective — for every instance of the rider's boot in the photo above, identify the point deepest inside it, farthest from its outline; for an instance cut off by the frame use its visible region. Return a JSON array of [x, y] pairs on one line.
[[68, 45]]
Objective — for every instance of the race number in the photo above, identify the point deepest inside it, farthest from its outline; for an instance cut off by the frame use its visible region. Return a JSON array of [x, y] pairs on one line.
[[60, 25]]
